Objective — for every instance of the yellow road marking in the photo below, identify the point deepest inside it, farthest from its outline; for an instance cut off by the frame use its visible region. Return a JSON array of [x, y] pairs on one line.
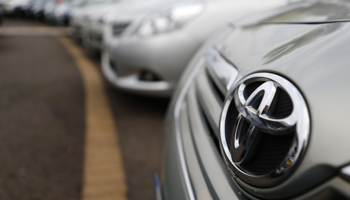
[[34, 31], [104, 176]]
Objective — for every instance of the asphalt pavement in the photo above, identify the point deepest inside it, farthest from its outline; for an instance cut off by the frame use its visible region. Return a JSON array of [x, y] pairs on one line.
[[43, 120]]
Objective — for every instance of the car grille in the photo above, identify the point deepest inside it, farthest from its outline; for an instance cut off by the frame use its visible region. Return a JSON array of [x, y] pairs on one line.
[[199, 115], [208, 96], [97, 37], [119, 28], [210, 100]]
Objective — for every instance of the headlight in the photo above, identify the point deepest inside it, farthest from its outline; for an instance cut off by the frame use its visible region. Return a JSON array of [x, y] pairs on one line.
[[169, 20]]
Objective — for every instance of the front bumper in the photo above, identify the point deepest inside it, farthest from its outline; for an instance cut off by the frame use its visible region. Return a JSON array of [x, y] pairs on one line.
[[164, 55], [131, 81]]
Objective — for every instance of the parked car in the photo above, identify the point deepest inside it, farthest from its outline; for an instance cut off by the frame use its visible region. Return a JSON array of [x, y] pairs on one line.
[[261, 110], [120, 15], [15, 7], [48, 10], [2, 4], [92, 26], [149, 57], [62, 13], [77, 19], [38, 9], [80, 17]]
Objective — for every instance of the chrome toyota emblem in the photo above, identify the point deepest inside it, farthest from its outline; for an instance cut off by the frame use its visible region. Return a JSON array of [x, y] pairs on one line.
[[264, 129]]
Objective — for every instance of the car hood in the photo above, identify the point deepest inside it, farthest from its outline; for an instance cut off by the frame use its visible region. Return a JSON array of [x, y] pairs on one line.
[[306, 12], [95, 12], [315, 58], [132, 11]]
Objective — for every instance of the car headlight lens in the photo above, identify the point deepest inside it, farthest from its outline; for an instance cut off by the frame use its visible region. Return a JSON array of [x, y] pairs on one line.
[[169, 20]]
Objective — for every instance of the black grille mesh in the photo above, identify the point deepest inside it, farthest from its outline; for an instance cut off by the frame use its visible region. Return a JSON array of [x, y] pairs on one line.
[[231, 117], [283, 105], [270, 152], [251, 87]]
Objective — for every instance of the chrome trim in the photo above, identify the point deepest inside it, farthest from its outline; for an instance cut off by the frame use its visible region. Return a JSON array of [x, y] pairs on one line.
[[157, 188], [178, 136], [209, 102], [298, 120], [223, 73], [243, 149], [259, 117], [212, 167], [345, 172], [194, 166]]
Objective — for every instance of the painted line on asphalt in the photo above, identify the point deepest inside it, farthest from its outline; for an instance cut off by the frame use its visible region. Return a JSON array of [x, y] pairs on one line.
[[34, 31], [104, 176]]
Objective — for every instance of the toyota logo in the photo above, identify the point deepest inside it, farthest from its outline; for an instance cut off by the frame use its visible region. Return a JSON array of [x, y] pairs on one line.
[[264, 129]]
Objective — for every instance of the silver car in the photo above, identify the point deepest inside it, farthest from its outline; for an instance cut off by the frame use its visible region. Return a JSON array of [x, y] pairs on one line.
[[261, 110], [120, 13], [80, 18], [62, 12], [151, 54], [14, 7]]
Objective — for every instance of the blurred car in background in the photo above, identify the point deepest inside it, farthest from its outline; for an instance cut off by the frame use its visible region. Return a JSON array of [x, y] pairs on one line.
[[148, 57], [120, 15], [37, 9], [92, 25], [1, 16], [261, 110], [48, 10], [15, 7], [2, 4], [80, 17], [27, 9], [62, 13]]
